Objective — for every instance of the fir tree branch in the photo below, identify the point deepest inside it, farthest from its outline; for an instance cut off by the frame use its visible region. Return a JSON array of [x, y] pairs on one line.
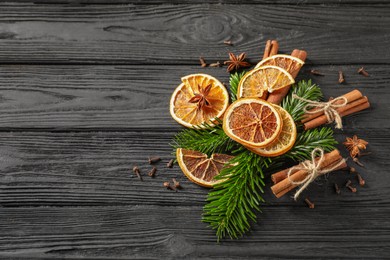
[[232, 204], [310, 139], [304, 89], [208, 139], [233, 81]]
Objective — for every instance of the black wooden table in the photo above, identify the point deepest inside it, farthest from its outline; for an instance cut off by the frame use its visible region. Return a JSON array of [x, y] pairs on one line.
[[84, 97]]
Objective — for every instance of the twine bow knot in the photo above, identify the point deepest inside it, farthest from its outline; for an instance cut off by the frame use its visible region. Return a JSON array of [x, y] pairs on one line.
[[329, 108], [313, 169]]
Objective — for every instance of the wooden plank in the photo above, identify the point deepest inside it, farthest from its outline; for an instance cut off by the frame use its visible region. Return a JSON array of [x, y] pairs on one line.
[[176, 232], [134, 97], [95, 169], [179, 34], [252, 2]]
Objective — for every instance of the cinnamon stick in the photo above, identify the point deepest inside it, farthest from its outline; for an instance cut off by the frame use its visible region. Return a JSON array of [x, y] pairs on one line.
[[281, 175], [304, 174], [353, 107], [271, 48], [277, 96], [350, 96]]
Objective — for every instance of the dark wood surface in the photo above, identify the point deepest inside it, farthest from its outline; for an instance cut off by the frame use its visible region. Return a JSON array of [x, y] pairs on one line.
[[84, 92]]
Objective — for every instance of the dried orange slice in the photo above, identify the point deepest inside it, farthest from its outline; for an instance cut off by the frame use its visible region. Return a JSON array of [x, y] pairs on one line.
[[267, 78], [290, 63], [285, 140], [199, 168], [200, 98], [252, 122]]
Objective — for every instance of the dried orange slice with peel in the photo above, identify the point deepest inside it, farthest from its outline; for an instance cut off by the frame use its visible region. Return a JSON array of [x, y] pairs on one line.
[[264, 79], [199, 168], [200, 98], [285, 140], [290, 63], [252, 122]]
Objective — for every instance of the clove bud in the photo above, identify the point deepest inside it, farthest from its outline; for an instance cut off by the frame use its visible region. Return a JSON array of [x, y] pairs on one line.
[[341, 77], [309, 203], [176, 184], [217, 64], [202, 62], [168, 185], [152, 172], [356, 160], [363, 72], [228, 43], [154, 159], [170, 163], [137, 172], [316, 72], [362, 182], [348, 185]]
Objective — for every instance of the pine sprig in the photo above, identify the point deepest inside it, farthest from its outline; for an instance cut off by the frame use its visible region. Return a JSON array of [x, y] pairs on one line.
[[310, 139], [232, 204], [303, 89], [233, 81], [207, 139]]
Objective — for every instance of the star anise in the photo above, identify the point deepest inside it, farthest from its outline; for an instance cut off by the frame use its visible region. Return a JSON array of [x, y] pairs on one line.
[[236, 62], [201, 97], [354, 145]]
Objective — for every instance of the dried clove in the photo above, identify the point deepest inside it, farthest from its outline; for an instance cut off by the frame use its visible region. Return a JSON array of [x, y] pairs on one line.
[[309, 203], [170, 163], [363, 72], [316, 72], [176, 184], [348, 185], [341, 77], [217, 64], [362, 182], [202, 62], [228, 43], [154, 159], [168, 185], [137, 172], [337, 188], [356, 160], [152, 172]]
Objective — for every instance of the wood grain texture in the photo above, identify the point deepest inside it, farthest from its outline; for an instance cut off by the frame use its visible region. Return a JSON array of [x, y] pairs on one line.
[[94, 169], [84, 91], [130, 97], [236, 2], [144, 232], [179, 34]]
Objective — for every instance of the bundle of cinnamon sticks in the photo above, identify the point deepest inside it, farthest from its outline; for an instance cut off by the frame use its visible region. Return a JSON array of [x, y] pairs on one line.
[[355, 102], [283, 184], [271, 48]]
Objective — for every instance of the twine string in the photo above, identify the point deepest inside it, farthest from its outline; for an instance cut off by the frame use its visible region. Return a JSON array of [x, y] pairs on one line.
[[329, 108], [313, 169]]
